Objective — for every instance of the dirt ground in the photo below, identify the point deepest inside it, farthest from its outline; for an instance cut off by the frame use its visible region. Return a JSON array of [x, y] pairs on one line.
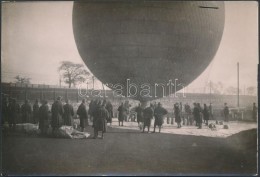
[[129, 152]]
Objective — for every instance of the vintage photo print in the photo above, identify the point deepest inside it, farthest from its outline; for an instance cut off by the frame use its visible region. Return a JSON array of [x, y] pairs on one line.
[[129, 87]]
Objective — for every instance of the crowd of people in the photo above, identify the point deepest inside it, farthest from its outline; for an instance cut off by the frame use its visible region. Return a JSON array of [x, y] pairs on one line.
[[100, 112]]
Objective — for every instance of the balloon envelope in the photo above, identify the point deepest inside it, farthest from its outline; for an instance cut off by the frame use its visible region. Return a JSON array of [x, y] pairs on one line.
[[148, 42]]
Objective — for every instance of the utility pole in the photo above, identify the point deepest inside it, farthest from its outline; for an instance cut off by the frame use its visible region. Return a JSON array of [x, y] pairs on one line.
[[60, 81], [93, 81], [210, 91], [238, 84]]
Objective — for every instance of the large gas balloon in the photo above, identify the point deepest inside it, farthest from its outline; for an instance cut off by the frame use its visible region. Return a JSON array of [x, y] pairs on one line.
[[148, 43]]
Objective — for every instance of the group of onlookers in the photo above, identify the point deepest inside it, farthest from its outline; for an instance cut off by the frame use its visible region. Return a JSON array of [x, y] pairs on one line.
[[100, 112], [60, 114]]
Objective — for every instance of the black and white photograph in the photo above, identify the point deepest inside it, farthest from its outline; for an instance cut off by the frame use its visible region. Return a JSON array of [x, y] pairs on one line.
[[129, 87]]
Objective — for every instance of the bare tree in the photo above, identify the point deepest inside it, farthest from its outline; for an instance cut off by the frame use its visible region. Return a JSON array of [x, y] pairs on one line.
[[22, 80], [73, 73]]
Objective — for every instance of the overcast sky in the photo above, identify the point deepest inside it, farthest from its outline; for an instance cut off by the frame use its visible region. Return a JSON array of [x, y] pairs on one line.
[[37, 36]]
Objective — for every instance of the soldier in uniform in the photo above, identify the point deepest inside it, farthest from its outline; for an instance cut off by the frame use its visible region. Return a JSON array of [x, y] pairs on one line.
[[139, 111], [36, 112], [226, 112], [57, 113], [14, 110], [26, 111], [122, 114], [99, 121], [44, 117], [83, 115], [68, 113], [148, 115], [159, 112]]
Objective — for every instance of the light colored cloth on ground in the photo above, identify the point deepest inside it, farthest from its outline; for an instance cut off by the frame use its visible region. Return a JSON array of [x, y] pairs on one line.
[[62, 132]]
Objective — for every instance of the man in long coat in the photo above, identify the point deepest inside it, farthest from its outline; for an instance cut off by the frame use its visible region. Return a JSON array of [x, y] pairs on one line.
[[177, 114], [122, 114], [148, 115], [44, 117], [206, 114], [57, 112], [226, 113], [26, 110], [36, 112], [196, 113], [188, 114], [83, 115], [90, 109], [139, 111], [14, 110], [99, 122], [68, 113], [109, 108], [159, 113]]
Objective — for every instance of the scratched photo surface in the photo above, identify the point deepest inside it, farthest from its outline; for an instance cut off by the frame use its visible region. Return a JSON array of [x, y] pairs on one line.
[[129, 87]]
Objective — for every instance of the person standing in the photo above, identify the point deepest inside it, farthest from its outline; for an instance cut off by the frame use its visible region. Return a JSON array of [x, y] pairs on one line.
[[148, 115], [36, 108], [26, 110], [188, 114], [254, 112], [159, 113], [83, 115], [196, 113], [57, 113], [68, 113], [14, 110], [44, 117], [211, 112], [122, 114], [90, 110], [226, 112], [177, 115], [109, 108], [139, 111], [4, 109], [99, 122], [206, 114]]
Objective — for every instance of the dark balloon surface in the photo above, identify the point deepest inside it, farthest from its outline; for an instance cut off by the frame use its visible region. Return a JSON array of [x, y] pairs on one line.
[[148, 42]]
